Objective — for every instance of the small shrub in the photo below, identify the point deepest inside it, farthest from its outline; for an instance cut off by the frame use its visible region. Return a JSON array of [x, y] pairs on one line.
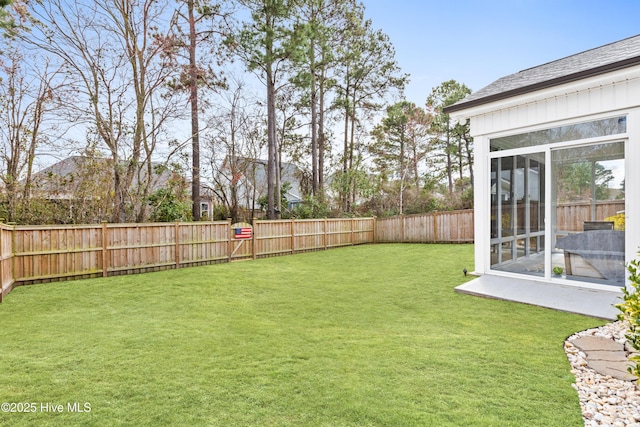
[[557, 270], [311, 207], [167, 206], [630, 313]]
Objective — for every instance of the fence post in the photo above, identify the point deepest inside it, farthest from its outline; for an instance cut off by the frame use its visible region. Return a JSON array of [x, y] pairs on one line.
[[293, 235], [9, 288], [352, 235], [177, 243], [435, 227], [254, 242], [12, 265], [325, 235], [105, 249], [230, 237], [375, 224], [401, 228], [13, 255], [2, 267], [13, 251]]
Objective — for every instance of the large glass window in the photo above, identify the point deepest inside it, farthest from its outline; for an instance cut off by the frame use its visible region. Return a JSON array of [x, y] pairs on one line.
[[584, 231], [573, 132], [588, 200]]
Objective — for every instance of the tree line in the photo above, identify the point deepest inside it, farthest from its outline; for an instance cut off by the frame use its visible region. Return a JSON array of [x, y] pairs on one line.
[[156, 109]]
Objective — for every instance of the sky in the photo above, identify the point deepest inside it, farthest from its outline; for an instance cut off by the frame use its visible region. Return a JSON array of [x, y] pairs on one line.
[[476, 42]]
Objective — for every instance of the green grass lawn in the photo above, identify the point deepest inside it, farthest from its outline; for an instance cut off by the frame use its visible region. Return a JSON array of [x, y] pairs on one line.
[[360, 336]]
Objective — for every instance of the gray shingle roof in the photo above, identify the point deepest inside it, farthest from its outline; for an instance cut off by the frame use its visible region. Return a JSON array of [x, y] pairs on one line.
[[72, 169], [617, 55]]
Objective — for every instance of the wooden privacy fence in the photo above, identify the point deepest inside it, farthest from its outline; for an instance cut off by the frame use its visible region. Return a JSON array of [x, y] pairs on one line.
[[40, 254], [571, 216], [279, 237], [435, 227]]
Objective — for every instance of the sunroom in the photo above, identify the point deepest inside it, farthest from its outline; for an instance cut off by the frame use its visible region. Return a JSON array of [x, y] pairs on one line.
[[556, 197]]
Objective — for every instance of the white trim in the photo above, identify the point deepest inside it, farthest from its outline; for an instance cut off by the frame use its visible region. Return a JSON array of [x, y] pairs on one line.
[[548, 214], [517, 151], [482, 203], [571, 107], [632, 183]]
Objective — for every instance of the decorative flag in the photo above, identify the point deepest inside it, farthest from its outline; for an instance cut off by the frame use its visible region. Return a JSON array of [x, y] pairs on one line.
[[242, 233]]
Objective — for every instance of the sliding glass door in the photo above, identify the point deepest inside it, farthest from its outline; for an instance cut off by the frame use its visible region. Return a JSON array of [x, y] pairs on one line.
[[517, 213], [588, 213]]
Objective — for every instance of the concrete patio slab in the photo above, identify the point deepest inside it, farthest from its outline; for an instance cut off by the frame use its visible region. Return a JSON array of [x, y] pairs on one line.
[[574, 299]]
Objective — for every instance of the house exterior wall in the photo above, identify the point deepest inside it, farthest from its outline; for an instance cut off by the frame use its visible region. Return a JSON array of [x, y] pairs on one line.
[[613, 94]]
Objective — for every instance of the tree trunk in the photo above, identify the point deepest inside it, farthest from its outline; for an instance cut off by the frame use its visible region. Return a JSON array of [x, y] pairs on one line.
[[195, 132], [314, 125], [321, 142], [278, 190], [352, 142], [345, 155], [119, 211], [460, 159], [416, 176], [271, 144]]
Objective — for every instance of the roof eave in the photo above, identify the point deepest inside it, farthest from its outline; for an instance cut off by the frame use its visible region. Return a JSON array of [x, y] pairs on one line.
[[629, 62]]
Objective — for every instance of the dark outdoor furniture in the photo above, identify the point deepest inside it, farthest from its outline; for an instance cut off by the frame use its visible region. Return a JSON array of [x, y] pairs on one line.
[[597, 225], [594, 253]]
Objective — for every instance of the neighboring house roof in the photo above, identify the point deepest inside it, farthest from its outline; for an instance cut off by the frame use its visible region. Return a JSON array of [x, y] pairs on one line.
[[614, 56], [73, 167], [63, 167]]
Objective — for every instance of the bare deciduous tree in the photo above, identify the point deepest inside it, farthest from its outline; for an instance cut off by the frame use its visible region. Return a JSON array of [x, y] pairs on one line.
[[119, 67], [232, 148], [26, 100]]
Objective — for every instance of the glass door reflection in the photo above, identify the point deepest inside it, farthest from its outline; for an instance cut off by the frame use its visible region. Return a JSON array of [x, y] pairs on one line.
[[588, 206]]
